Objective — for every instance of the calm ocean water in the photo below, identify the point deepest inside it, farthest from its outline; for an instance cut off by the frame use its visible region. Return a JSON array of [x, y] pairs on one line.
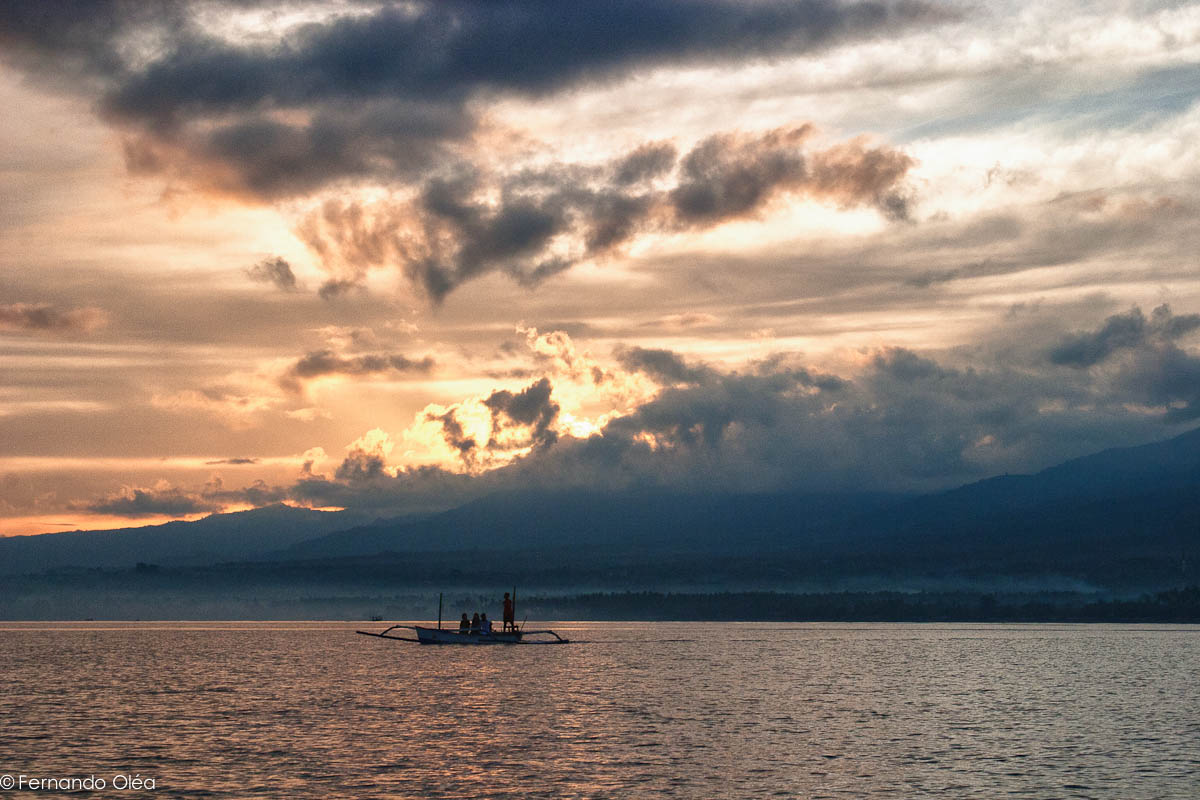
[[640, 710]]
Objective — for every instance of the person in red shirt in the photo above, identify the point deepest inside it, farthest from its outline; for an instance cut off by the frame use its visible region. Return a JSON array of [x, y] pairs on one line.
[[510, 623]]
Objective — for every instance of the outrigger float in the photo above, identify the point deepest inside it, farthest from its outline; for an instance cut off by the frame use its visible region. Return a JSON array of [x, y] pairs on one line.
[[440, 635]]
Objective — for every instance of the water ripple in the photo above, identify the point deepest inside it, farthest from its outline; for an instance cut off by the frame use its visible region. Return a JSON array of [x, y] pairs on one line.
[[734, 710]]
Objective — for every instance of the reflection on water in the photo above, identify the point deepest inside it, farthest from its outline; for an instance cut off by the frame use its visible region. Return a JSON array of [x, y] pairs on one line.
[[638, 710]]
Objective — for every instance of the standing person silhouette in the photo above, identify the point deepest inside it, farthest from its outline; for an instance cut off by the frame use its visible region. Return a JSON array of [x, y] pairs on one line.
[[510, 623]]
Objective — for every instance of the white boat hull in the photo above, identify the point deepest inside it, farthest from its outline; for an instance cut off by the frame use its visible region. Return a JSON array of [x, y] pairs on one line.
[[452, 636]]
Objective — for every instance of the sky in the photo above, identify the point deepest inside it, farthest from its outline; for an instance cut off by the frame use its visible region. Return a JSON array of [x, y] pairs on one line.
[[395, 256]]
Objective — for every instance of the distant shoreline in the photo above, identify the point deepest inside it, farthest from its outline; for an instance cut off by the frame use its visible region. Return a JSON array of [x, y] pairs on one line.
[[1174, 606]]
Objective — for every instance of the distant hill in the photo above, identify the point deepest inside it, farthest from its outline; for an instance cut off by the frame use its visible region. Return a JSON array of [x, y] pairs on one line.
[[1136, 500], [220, 537], [618, 524], [1124, 516]]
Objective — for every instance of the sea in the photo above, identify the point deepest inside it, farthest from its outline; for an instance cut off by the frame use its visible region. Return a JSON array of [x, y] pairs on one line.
[[627, 710]]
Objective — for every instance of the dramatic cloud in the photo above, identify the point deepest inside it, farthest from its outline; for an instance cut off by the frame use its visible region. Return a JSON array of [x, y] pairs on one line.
[[416, 489], [165, 500], [729, 176], [382, 93], [532, 407], [159, 500], [662, 365], [1122, 331], [367, 458], [24, 317], [455, 436], [491, 430], [901, 421], [276, 271], [320, 363], [905, 422], [1166, 377], [717, 245], [1150, 369], [546, 221], [265, 159], [649, 161]]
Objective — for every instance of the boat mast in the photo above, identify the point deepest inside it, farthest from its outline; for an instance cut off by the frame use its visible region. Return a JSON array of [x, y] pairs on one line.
[[439, 611]]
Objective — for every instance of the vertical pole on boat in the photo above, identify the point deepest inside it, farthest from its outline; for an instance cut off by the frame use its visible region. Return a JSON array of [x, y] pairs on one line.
[[514, 606], [439, 611]]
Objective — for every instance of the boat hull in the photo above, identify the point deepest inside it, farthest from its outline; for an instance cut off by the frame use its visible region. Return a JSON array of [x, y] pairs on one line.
[[452, 636]]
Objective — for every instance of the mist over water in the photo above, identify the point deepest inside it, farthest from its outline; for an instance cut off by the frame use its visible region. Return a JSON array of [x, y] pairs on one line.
[[634, 710]]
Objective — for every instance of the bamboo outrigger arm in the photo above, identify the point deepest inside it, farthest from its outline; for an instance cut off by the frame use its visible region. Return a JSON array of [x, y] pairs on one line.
[[426, 635]]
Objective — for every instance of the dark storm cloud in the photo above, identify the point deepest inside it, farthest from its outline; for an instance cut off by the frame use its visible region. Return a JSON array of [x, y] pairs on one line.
[[905, 421], [266, 158], [647, 162], [452, 432], [415, 489], [1167, 377], [273, 270], [664, 366], [729, 176], [532, 407], [361, 465], [258, 493], [516, 233], [1149, 367], [132, 501], [905, 365], [734, 175], [389, 96], [383, 91], [82, 37], [326, 362], [172, 501], [431, 50], [49, 319], [546, 221], [1122, 332], [518, 419]]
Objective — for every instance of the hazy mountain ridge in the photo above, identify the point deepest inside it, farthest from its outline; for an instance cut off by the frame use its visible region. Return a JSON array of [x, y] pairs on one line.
[[1138, 506], [1128, 514], [1145, 496], [636, 522], [216, 538]]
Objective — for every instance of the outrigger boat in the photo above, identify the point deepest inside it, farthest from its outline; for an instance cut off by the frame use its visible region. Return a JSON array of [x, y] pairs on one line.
[[440, 635], [426, 635]]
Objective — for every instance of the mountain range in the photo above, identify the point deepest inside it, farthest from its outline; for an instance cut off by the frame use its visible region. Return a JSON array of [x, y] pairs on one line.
[[1122, 517], [216, 538]]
